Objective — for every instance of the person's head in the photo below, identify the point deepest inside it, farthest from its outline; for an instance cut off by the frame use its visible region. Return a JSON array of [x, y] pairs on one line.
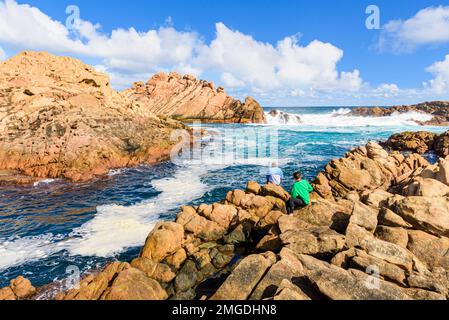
[[297, 176], [274, 165]]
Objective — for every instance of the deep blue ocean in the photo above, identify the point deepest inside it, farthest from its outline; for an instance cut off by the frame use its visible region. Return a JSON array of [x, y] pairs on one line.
[[53, 225]]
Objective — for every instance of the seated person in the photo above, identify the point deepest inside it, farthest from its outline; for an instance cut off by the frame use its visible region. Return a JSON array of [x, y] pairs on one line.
[[300, 195], [275, 175]]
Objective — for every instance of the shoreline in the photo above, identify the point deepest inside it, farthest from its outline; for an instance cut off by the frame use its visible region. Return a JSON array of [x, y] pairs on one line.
[[207, 238]]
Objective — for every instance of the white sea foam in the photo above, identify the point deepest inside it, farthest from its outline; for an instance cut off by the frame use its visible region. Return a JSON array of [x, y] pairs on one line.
[[283, 118], [19, 250], [115, 172], [341, 118], [116, 228], [43, 182]]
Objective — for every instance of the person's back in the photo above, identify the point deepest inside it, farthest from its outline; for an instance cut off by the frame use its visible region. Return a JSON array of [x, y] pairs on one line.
[[302, 189], [275, 175], [300, 195]]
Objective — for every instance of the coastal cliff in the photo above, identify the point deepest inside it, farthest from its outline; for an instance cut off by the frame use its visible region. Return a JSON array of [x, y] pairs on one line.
[[188, 99], [377, 228], [59, 118], [439, 110]]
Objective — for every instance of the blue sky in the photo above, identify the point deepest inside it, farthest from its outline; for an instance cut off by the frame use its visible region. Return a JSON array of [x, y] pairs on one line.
[[327, 55]]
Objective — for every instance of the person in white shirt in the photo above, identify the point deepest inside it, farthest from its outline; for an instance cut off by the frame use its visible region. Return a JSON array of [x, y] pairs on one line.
[[275, 175]]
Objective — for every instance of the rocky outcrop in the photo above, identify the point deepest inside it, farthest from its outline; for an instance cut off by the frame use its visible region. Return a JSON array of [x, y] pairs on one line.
[[19, 289], [363, 238], [284, 117], [365, 170], [188, 99], [59, 118], [419, 142], [439, 109]]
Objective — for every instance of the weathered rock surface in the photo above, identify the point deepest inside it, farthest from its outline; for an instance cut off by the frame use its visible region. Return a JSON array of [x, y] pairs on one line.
[[439, 109], [133, 284], [419, 142], [187, 98], [19, 289], [368, 241], [59, 118], [430, 214], [245, 277]]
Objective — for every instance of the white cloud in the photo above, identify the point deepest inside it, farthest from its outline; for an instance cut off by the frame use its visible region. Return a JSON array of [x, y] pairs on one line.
[[239, 61], [388, 89], [129, 51], [429, 26], [285, 71], [440, 84], [242, 60]]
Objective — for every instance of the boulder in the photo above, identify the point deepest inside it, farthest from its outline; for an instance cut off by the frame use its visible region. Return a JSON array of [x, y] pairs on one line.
[[157, 271], [165, 239], [275, 191], [253, 187], [441, 145], [257, 205], [22, 288], [419, 294], [426, 187], [339, 284], [358, 237], [328, 213], [199, 226], [177, 259], [293, 223], [365, 262], [376, 197], [222, 256], [221, 214], [443, 171], [354, 179], [187, 278], [269, 220], [133, 284], [432, 250], [288, 291], [93, 287], [364, 216], [397, 236], [390, 219], [417, 142], [317, 241], [427, 282], [240, 284], [376, 152], [7, 294], [429, 214], [288, 268]]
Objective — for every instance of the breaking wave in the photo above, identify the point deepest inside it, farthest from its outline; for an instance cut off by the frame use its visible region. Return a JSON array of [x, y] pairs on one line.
[[342, 118]]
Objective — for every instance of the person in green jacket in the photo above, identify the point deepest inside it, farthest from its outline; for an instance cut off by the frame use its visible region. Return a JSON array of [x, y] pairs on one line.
[[300, 195]]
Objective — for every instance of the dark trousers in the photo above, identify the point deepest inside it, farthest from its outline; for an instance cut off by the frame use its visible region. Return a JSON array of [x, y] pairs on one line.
[[293, 204]]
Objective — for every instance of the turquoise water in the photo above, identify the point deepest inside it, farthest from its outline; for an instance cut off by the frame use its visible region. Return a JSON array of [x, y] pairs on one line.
[[53, 225]]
